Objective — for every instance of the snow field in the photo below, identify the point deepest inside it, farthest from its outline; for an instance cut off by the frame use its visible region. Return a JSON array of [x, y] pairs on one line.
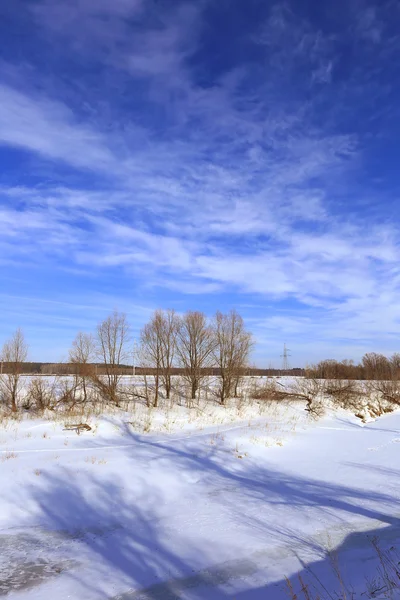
[[208, 502]]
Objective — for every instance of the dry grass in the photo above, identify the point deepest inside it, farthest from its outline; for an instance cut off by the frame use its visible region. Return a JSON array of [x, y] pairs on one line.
[[216, 437], [9, 419], [384, 584], [95, 461], [8, 455], [270, 391], [263, 398]]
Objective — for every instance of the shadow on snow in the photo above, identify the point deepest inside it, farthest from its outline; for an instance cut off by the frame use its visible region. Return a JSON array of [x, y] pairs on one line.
[[95, 517]]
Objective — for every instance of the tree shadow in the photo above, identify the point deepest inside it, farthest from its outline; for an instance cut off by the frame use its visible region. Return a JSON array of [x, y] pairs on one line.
[[277, 487], [95, 521], [352, 570], [370, 426], [116, 535], [377, 468]]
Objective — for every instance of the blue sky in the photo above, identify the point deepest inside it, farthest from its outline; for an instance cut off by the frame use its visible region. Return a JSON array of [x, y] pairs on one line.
[[202, 155]]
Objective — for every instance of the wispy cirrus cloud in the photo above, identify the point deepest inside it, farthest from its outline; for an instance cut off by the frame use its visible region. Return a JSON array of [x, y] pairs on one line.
[[49, 128], [234, 181]]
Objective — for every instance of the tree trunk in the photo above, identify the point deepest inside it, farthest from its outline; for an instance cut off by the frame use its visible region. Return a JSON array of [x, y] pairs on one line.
[[146, 387], [156, 391], [14, 407]]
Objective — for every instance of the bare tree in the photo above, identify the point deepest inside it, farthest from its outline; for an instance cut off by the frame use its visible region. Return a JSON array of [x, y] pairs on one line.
[[13, 355], [231, 351], [41, 393], [346, 393], [158, 343], [376, 366], [195, 344], [333, 369], [143, 392], [387, 390], [395, 366], [81, 355], [309, 389], [112, 341], [244, 344], [170, 326], [151, 349]]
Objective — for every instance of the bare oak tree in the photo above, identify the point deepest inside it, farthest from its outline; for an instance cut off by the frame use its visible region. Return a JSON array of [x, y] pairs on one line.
[[81, 355], [231, 351], [13, 355], [195, 344], [112, 349]]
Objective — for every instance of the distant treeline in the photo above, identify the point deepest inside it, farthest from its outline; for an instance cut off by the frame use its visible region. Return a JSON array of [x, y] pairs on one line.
[[373, 366], [47, 368]]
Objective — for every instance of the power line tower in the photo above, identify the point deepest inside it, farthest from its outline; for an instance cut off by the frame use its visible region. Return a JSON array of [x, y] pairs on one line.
[[285, 357]]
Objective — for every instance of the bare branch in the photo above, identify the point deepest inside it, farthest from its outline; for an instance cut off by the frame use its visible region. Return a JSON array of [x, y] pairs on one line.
[[112, 349], [13, 355], [195, 348]]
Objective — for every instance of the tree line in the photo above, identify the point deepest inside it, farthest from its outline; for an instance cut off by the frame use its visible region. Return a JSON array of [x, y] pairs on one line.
[[373, 366], [197, 346], [190, 341]]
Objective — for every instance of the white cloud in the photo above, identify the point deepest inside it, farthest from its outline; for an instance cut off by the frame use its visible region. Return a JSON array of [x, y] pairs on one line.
[[50, 128], [235, 192]]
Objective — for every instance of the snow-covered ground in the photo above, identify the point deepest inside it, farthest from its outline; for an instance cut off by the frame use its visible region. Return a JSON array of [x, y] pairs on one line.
[[221, 505]]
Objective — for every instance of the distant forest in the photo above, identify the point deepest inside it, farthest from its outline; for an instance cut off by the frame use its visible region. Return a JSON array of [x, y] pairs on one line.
[[47, 368]]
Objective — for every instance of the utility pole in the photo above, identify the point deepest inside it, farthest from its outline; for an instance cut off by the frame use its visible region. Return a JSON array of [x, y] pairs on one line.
[[285, 356]]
